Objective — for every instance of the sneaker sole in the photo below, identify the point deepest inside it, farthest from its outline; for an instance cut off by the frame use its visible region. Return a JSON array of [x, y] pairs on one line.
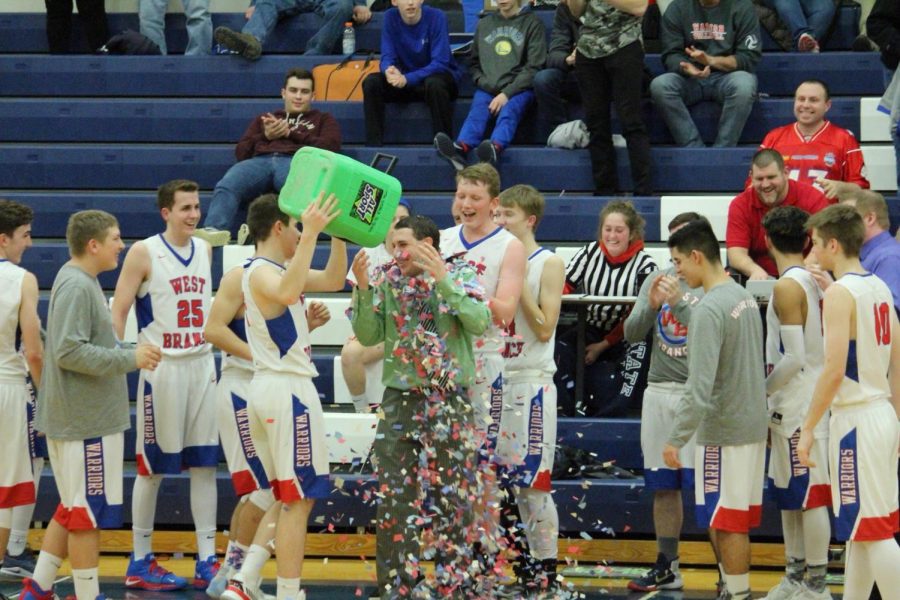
[[487, 155], [235, 41], [636, 587], [219, 238], [15, 572], [140, 584], [445, 148]]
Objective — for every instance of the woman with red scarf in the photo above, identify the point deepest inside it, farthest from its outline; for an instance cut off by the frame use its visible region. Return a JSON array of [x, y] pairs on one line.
[[614, 265]]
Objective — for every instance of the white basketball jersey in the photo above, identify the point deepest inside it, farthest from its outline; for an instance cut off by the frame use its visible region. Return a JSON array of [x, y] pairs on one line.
[[486, 256], [172, 305], [12, 367], [869, 355], [788, 406], [238, 327], [524, 351], [281, 344], [378, 256]]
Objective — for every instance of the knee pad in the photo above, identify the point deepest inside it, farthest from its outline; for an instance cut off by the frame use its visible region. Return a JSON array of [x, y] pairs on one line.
[[263, 499]]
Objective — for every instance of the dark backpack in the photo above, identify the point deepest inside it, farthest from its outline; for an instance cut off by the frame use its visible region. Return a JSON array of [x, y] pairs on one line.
[[130, 42]]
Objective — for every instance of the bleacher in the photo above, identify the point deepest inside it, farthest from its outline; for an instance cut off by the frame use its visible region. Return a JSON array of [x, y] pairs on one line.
[[81, 132]]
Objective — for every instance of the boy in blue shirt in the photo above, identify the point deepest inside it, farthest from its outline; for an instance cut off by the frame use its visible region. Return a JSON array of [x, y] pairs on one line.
[[416, 66]]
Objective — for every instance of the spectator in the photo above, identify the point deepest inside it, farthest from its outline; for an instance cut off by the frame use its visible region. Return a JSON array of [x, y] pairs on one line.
[[263, 15], [880, 253], [817, 151], [152, 15], [808, 20], [555, 85], [264, 153], [509, 48], [710, 49], [59, 24], [416, 65], [614, 265], [609, 65], [883, 27], [745, 237]]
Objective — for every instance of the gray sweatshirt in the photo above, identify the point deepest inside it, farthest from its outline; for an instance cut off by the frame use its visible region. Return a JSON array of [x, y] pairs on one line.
[[507, 53], [668, 361], [725, 397], [83, 392]]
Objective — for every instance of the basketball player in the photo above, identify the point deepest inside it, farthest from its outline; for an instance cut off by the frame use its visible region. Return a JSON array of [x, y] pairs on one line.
[[225, 329], [18, 315], [528, 419], [860, 382], [794, 350], [286, 421], [724, 403], [167, 276], [499, 260], [83, 407], [664, 305]]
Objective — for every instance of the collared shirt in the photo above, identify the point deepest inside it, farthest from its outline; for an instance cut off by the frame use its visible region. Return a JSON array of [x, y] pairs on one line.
[[881, 256]]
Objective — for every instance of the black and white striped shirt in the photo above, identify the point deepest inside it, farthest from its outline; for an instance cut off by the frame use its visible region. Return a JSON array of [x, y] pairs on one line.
[[591, 273]]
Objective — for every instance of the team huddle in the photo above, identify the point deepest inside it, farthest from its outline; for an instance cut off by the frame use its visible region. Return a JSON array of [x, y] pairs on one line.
[[465, 319]]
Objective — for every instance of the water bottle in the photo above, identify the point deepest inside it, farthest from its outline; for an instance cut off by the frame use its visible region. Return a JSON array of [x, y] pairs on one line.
[[348, 45]]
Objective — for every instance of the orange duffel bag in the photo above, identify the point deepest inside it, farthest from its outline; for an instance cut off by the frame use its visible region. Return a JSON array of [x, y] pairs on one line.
[[343, 80]]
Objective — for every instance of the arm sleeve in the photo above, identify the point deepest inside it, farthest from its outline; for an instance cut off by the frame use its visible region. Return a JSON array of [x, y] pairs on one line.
[[367, 323], [640, 321], [474, 62], [440, 51], [327, 135], [683, 309], [535, 57], [472, 313], [704, 343], [248, 141], [792, 361], [748, 44], [671, 37], [388, 50], [74, 350], [737, 233], [562, 40]]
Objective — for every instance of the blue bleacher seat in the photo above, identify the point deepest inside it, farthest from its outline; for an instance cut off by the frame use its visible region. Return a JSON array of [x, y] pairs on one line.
[[173, 76], [211, 120]]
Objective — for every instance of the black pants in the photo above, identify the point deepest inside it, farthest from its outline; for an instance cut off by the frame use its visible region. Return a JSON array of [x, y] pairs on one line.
[[438, 91], [615, 80], [59, 24]]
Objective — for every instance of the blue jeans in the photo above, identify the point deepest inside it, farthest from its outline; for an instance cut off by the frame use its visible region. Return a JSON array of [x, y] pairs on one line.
[[326, 40], [553, 89], [804, 16], [673, 93], [476, 123], [242, 184], [152, 15]]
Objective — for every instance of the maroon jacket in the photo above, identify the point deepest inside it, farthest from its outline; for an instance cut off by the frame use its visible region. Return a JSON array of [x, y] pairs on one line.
[[312, 128]]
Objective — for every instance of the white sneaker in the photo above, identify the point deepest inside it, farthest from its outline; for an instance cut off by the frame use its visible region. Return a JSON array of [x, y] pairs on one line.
[[787, 589], [806, 593], [218, 584], [215, 237], [243, 234]]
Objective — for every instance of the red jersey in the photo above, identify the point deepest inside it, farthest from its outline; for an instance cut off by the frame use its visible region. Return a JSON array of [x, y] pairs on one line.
[[746, 212], [832, 152]]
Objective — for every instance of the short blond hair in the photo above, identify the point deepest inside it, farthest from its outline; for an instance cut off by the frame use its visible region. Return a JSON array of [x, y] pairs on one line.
[[526, 197], [483, 173], [87, 225]]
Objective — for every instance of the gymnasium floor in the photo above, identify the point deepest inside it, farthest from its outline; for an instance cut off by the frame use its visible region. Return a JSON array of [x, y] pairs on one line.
[[342, 579]]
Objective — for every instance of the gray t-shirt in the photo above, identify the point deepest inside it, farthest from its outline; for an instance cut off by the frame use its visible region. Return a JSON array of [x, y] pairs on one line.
[[83, 392], [725, 396], [668, 361]]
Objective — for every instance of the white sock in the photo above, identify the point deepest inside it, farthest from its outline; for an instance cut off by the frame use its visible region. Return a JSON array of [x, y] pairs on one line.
[[256, 559], [288, 589], [817, 535], [360, 403], [87, 584], [46, 569], [143, 511], [738, 585], [18, 538], [203, 509]]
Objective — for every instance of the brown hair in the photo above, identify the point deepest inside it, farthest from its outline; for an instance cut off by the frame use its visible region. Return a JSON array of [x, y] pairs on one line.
[[840, 222], [87, 225], [633, 219], [483, 173], [263, 213], [299, 74], [525, 197], [13, 215], [165, 194]]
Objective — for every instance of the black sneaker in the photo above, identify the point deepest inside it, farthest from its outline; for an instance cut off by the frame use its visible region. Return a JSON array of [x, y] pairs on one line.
[[663, 576], [450, 151], [487, 152], [242, 43], [20, 565]]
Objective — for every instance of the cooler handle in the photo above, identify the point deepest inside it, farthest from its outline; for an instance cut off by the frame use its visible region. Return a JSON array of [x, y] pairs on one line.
[[381, 156]]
